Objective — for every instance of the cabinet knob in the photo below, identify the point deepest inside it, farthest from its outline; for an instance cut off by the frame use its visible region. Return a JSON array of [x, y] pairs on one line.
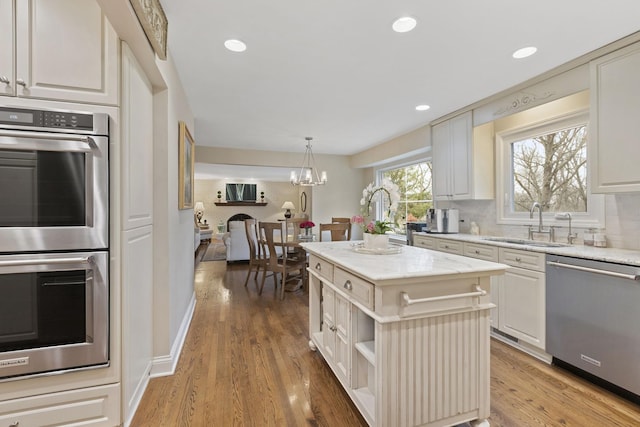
[[15, 424], [518, 259], [333, 328], [347, 285], [318, 267], [21, 82], [477, 252], [4, 79]]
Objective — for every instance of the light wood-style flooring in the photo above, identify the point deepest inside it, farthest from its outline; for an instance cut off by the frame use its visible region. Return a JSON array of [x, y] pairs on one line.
[[246, 362]]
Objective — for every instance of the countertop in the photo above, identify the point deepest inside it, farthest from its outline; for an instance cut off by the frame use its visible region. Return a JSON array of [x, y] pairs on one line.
[[620, 256], [410, 263]]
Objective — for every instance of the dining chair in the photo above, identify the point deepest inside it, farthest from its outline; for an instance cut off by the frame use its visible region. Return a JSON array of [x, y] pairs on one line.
[[257, 256], [273, 236], [343, 220], [338, 231]]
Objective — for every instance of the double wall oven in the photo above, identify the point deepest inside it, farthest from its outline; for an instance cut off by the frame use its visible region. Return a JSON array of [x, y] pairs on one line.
[[54, 241]]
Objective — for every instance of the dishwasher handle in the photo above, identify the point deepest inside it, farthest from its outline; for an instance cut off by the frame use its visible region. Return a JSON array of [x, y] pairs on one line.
[[595, 270]]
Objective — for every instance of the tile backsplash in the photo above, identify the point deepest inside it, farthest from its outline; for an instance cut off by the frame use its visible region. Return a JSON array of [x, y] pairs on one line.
[[622, 219]]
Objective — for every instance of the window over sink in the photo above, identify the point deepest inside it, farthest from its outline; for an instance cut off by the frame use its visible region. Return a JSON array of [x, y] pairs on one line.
[[545, 160]]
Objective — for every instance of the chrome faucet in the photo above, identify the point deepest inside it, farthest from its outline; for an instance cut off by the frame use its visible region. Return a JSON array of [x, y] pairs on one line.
[[550, 231]]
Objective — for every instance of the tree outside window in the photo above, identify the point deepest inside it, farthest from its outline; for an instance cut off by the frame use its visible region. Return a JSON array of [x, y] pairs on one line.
[[414, 182], [551, 169]]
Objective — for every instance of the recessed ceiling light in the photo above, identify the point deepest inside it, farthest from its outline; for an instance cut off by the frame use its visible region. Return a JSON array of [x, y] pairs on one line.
[[524, 52], [235, 45], [422, 107], [404, 24]]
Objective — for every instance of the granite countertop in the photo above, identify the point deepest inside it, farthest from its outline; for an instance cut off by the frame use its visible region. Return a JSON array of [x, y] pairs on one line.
[[410, 262], [620, 256]]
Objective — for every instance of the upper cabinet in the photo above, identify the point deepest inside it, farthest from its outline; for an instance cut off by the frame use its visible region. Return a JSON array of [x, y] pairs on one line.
[[58, 49], [462, 159], [614, 128]]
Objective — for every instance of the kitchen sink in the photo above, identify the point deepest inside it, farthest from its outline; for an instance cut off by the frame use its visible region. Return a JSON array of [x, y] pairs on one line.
[[526, 242]]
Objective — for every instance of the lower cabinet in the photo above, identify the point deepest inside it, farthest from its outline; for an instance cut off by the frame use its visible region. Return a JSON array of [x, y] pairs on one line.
[[488, 253], [522, 296], [93, 406], [336, 319]]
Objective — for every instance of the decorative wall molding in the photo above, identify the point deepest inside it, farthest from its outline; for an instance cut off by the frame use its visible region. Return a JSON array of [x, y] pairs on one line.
[[154, 23], [523, 100]]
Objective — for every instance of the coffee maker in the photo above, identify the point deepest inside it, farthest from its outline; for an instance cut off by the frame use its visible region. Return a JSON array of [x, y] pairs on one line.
[[443, 221]]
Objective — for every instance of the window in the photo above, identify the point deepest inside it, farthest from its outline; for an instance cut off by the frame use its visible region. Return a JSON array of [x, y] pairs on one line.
[[546, 163], [414, 182]]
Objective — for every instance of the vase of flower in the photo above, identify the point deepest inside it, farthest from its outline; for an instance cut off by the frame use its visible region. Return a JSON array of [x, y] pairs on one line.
[[376, 241]]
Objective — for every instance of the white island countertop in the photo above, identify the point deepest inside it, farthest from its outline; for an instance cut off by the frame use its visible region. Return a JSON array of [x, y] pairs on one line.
[[410, 263]]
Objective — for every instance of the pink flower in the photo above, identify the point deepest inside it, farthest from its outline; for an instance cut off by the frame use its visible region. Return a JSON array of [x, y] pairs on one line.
[[371, 226], [357, 219], [307, 224]]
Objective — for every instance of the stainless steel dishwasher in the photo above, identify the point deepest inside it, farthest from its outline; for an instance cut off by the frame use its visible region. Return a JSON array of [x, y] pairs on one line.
[[593, 320]]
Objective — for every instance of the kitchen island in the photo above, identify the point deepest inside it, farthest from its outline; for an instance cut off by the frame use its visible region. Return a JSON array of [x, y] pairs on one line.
[[406, 332]]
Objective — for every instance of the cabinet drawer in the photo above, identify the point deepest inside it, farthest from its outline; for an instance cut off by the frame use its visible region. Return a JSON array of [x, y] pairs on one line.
[[522, 259], [95, 406], [424, 242], [322, 267], [357, 288], [485, 252], [449, 246]]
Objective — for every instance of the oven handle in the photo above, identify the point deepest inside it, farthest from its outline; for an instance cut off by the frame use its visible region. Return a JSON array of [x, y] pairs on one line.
[[20, 262], [595, 270], [42, 136]]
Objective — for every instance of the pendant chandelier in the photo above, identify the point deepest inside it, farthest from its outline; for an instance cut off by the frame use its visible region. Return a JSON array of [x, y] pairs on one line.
[[308, 175]]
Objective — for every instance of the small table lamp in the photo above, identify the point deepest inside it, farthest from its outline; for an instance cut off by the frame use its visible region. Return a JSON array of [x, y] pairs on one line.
[[199, 208], [288, 206]]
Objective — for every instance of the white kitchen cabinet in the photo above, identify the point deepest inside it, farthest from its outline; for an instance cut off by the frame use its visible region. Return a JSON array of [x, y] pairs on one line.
[[58, 49], [450, 246], [462, 159], [93, 406], [614, 128], [488, 253], [522, 296], [425, 242], [335, 332]]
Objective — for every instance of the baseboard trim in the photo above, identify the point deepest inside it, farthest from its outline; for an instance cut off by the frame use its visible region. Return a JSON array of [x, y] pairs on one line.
[[163, 366]]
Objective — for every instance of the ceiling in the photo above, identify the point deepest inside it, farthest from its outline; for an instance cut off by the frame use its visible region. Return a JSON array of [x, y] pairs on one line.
[[336, 71]]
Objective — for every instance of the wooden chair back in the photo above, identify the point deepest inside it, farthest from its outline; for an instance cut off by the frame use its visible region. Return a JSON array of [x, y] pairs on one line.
[[256, 255], [343, 220], [273, 236], [339, 231]]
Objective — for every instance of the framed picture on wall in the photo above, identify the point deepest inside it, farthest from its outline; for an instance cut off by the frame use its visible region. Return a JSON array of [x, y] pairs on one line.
[[186, 160]]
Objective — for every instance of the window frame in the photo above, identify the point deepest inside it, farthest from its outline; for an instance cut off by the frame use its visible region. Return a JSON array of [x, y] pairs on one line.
[[379, 172], [595, 214]]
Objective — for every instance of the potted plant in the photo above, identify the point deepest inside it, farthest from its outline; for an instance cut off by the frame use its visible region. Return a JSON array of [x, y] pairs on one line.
[[375, 231]]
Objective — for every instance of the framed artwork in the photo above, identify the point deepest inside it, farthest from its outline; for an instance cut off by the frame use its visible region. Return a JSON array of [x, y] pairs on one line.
[[186, 160], [154, 23]]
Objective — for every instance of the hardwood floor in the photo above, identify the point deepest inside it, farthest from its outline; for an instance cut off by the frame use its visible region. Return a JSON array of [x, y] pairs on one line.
[[246, 362]]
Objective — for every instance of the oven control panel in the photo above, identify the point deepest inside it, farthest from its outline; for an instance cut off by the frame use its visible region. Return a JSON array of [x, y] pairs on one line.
[[20, 117]]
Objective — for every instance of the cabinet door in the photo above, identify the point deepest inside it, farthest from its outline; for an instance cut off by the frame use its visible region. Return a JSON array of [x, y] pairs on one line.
[[441, 159], [343, 322], [328, 322], [7, 41], [614, 128], [522, 305], [460, 129], [66, 50]]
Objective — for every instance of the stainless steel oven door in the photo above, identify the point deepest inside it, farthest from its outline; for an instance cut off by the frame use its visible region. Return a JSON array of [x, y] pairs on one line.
[[54, 189], [54, 313]]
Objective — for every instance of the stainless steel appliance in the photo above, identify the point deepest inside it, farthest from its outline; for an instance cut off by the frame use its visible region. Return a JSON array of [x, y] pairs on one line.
[[54, 180], [592, 320], [443, 220], [53, 312], [54, 241]]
